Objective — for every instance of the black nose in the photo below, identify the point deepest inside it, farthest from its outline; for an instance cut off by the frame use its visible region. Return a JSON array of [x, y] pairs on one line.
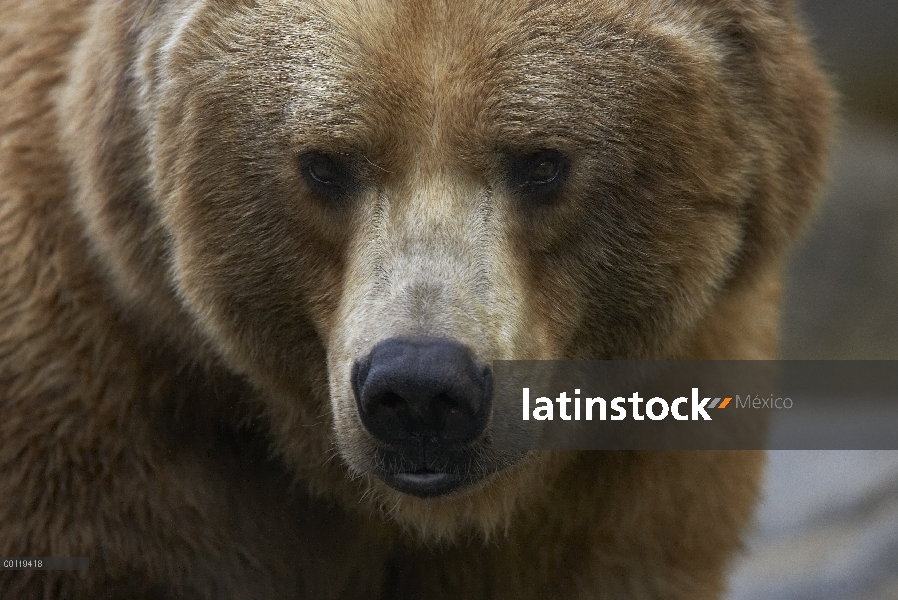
[[426, 390]]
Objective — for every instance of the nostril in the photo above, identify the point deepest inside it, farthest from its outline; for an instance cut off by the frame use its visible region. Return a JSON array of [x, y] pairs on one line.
[[391, 401], [445, 407], [443, 403], [451, 415]]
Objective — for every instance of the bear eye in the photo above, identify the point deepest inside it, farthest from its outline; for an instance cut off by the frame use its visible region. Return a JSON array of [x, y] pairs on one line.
[[544, 170], [325, 174], [539, 173]]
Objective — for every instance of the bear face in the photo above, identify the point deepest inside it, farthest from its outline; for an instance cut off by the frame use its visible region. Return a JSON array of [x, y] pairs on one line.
[[312, 181]]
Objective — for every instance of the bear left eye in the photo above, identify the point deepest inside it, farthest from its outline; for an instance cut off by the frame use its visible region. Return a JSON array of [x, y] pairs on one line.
[[324, 173], [544, 170], [539, 173]]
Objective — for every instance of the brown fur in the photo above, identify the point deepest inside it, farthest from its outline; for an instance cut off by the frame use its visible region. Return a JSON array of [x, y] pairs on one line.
[[179, 312]]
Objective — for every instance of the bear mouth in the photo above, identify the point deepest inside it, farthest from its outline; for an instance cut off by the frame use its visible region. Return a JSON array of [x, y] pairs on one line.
[[426, 472], [425, 483]]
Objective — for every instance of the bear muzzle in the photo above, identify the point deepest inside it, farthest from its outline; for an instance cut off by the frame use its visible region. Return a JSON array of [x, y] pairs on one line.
[[424, 401]]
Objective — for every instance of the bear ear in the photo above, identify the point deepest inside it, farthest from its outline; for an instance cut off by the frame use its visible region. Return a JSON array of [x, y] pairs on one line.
[[777, 213], [794, 130]]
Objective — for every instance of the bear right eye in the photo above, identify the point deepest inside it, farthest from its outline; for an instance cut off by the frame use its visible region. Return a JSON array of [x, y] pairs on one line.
[[325, 174], [538, 175]]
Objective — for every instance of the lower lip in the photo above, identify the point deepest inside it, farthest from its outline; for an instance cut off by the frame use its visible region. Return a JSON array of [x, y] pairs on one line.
[[424, 484]]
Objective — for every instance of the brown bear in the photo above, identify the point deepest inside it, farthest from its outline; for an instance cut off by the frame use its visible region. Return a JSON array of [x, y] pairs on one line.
[[256, 258]]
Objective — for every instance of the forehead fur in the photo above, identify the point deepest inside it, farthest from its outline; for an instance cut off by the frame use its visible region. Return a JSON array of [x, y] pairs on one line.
[[390, 78]]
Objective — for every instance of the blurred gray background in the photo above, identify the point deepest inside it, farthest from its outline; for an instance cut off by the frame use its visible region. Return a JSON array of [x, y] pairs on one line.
[[827, 528]]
